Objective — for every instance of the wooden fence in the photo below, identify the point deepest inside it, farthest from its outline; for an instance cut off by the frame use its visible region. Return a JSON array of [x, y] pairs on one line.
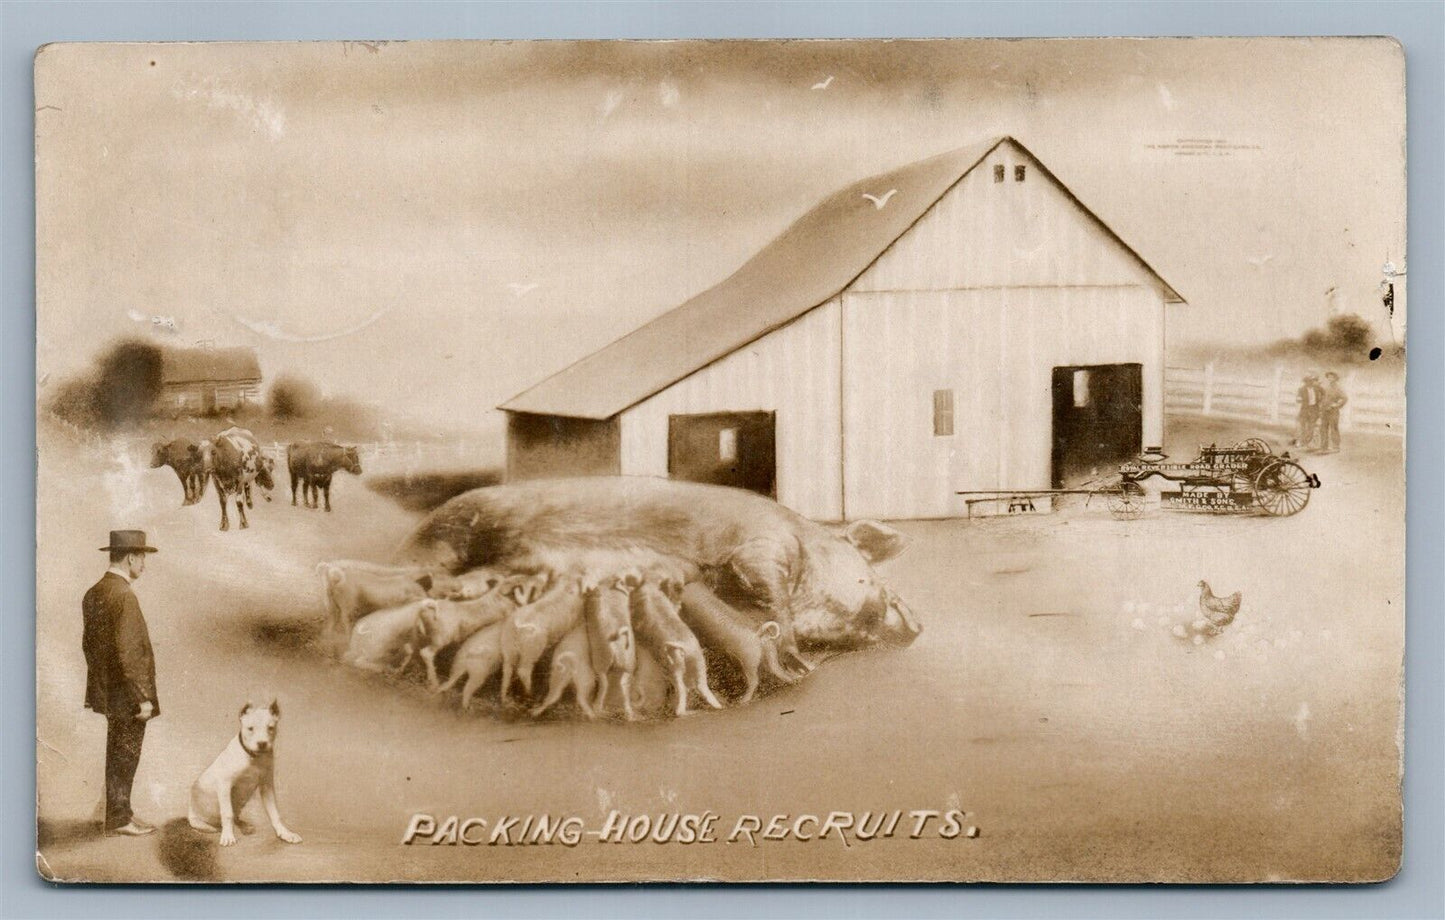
[[1377, 406]]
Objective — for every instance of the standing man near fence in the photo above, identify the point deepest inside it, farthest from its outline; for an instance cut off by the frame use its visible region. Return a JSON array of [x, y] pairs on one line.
[[1334, 401], [1309, 397], [120, 674]]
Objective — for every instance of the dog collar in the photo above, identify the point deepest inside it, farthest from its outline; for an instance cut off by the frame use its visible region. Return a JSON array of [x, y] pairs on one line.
[[250, 753]]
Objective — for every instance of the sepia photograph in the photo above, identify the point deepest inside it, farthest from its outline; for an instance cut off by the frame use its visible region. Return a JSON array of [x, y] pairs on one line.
[[966, 460]]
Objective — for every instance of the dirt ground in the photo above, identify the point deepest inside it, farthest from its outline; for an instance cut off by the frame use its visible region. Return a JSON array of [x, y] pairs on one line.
[[1046, 697]]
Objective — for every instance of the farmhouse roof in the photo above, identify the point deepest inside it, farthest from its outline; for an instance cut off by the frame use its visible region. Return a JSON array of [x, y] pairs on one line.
[[823, 252], [198, 365]]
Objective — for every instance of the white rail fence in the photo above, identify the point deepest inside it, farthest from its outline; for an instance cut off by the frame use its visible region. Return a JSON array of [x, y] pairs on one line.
[[1377, 406]]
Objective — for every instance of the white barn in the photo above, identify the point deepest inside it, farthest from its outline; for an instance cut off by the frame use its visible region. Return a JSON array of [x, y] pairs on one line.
[[961, 323]]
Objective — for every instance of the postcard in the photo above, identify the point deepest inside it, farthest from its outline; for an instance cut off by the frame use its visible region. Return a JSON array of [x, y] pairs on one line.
[[611, 461]]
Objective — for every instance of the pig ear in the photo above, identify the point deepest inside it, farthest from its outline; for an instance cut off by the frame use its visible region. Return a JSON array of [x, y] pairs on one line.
[[877, 542]]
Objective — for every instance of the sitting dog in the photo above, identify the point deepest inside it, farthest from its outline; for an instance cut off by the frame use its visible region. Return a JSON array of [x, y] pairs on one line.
[[248, 763]]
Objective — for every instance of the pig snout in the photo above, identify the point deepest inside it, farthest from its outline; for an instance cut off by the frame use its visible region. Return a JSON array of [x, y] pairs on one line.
[[900, 625]]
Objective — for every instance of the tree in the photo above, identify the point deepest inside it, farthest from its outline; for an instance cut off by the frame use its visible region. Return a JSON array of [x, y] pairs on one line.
[[293, 397], [1349, 332], [128, 383]]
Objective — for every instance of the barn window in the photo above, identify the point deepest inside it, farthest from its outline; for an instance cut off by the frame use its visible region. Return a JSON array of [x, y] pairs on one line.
[[942, 413], [998, 173], [1081, 389], [1019, 172], [727, 444]]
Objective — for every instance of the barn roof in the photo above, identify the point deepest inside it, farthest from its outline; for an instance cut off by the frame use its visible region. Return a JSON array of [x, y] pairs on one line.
[[196, 365], [823, 252]]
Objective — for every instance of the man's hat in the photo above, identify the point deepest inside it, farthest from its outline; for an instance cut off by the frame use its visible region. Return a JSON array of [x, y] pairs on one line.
[[128, 541]]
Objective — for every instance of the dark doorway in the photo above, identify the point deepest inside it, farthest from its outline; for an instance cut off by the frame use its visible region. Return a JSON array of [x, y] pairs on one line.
[[1098, 419], [724, 448]]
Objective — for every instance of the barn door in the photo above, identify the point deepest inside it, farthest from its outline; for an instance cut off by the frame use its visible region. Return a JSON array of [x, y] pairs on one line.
[[724, 448], [1098, 419]]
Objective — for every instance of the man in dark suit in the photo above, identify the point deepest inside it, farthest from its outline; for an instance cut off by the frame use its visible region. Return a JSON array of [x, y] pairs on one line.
[[120, 674]]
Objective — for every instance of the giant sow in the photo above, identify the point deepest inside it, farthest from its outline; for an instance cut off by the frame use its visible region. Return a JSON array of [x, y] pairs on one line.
[[819, 584]]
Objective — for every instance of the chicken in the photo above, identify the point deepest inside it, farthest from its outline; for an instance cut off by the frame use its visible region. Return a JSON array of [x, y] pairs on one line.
[[1219, 611]]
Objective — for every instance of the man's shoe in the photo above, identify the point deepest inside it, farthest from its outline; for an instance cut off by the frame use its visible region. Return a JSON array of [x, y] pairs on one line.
[[143, 825], [130, 830]]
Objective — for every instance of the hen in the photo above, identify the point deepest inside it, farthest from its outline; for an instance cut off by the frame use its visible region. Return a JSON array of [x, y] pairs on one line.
[[1219, 611]]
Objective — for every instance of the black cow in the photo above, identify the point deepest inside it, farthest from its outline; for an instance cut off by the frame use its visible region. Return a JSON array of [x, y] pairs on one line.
[[312, 463], [187, 459]]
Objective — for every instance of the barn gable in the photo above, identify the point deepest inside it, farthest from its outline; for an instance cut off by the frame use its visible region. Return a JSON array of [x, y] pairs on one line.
[[1008, 222]]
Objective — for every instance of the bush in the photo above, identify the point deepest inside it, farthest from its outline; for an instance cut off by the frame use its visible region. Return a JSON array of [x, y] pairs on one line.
[[122, 389], [1349, 332], [1345, 338], [293, 397], [129, 383]]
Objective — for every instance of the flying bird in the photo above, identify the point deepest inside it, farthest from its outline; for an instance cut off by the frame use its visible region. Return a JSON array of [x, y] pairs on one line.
[[881, 203], [824, 84], [521, 290], [273, 331]]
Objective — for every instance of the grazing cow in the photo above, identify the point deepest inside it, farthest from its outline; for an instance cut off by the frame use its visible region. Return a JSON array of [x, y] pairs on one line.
[[233, 469], [186, 459], [312, 463]]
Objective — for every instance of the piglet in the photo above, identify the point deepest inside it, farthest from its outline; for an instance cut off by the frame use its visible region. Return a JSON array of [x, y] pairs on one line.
[[608, 619], [478, 659], [654, 617], [571, 667], [379, 637], [727, 629]]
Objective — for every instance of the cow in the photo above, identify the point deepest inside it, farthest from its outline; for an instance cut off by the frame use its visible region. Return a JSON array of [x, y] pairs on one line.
[[233, 469], [245, 442], [187, 459], [312, 464], [817, 583]]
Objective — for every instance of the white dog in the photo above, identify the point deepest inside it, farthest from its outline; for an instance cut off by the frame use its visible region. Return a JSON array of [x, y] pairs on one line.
[[248, 763]]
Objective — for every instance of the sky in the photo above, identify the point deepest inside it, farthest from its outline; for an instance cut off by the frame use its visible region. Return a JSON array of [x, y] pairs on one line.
[[435, 227]]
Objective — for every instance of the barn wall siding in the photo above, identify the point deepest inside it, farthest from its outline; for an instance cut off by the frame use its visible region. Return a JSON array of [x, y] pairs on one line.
[[995, 348], [984, 234], [793, 372]]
